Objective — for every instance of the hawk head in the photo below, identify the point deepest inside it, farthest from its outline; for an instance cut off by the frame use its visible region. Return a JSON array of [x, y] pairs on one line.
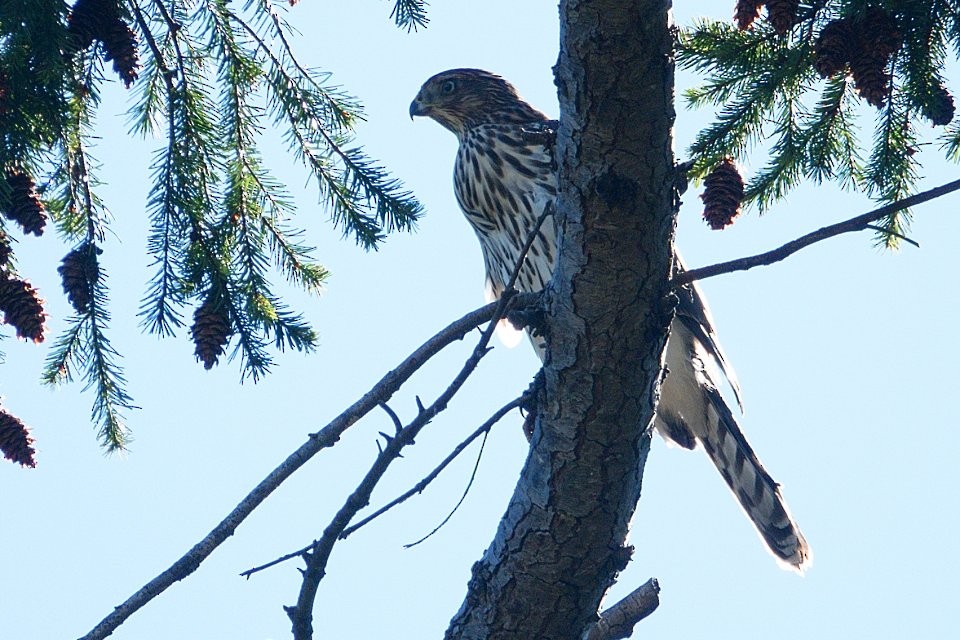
[[460, 99]]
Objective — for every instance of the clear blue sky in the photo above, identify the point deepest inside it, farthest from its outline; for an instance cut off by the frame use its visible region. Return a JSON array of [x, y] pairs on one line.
[[844, 353]]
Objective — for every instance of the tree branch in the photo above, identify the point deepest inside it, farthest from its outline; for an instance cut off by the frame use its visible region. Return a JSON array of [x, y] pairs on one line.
[[859, 223], [618, 621], [430, 477], [420, 486], [301, 614], [326, 437]]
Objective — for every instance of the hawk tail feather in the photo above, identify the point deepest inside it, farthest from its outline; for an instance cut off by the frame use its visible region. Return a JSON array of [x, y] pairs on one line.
[[757, 493]]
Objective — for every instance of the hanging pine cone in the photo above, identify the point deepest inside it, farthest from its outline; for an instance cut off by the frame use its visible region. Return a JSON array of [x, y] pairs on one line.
[[25, 207], [832, 49], [939, 109], [15, 440], [101, 21], [877, 37], [746, 12], [78, 271], [211, 331], [782, 14], [879, 34], [89, 20], [120, 45], [871, 78], [722, 194], [22, 308], [5, 250]]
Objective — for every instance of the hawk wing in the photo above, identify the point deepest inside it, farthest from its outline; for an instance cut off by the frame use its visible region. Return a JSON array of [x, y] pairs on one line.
[[693, 312]]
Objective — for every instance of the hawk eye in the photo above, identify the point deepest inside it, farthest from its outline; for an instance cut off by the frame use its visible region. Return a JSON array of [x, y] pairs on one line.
[[448, 86]]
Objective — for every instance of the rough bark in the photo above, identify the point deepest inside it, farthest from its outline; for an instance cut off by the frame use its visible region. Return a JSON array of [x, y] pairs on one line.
[[562, 541]]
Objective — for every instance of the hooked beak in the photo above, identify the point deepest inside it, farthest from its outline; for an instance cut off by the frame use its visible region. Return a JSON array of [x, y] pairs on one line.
[[417, 108]]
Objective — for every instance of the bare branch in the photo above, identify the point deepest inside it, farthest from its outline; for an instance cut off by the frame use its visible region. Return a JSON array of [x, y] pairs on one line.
[[289, 556], [859, 223], [430, 477], [463, 496], [618, 621], [301, 614], [326, 437]]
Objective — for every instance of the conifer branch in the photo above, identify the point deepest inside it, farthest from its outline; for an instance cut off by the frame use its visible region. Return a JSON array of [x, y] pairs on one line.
[[858, 223], [410, 14]]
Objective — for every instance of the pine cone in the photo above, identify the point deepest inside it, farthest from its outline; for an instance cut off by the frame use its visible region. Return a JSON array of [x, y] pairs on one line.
[[879, 34], [722, 194], [746, 12], [940, 108], [782, 14], [25, 207], [22, 308], [15, 440], [89, 20], [120, 45], [101, 21], [877, 37], [871, 78], [211, 331], [5, 250], [78, 271], [833, 48]]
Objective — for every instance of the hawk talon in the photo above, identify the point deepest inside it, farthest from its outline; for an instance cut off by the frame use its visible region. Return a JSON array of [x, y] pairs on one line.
[[530, 402]]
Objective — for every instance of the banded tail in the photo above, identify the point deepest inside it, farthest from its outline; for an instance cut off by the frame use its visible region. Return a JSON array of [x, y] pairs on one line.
[[755, 490], [692, 410]]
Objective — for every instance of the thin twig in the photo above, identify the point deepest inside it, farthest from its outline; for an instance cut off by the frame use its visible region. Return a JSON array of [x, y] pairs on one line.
[[873, 227], [326, 437], [301, 614], [463, 496], [430, 477], [397, 425], [858, 223], [290, 556], [420, 486], [617, 621]]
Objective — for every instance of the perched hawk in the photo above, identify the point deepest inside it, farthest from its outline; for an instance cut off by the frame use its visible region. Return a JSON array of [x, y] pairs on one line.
[[504, 177]]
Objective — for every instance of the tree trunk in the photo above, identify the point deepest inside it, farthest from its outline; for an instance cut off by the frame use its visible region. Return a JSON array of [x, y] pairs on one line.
[[561, 543]]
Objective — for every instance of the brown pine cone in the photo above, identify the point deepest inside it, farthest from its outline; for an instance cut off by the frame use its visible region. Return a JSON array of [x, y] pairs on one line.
[[22, 308], [940, 109], [89, 20], [782, 14], [833, 48], [871, 78], [102, 21], [15, 440], [722, 195], [746, 12], [25, 207], [879, 34], [120, 45], [78, 272], [211, 331], [5, 250]]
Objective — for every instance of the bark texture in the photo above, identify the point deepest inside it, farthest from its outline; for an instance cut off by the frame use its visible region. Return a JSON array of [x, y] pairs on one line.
[[562, 541]]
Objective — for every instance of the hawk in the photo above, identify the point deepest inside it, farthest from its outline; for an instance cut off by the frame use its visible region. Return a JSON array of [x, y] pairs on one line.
[[505, 177]]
